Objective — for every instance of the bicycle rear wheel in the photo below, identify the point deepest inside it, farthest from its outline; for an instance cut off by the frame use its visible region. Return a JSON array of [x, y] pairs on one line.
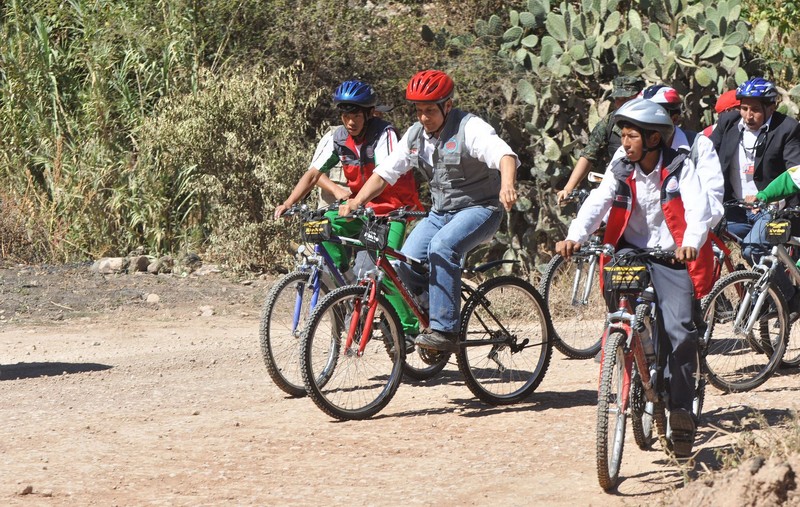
[[505, 346], [791, 357], [642, 421], [736, 361], [283, 317], [342, 382], [578, 319], [611, 415]]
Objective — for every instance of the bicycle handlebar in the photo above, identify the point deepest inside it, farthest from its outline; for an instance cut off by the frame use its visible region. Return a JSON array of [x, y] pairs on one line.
[[577, 196], [592, 249], [398, 214], [306, 212], [640, 253], [770, 207]]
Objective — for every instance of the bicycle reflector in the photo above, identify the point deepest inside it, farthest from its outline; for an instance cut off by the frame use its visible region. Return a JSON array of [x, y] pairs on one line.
[[778, 231], [375, 237], [316, 231], [625, 278]]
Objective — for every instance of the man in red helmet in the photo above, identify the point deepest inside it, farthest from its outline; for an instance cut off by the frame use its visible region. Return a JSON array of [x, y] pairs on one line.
[[471, 172]]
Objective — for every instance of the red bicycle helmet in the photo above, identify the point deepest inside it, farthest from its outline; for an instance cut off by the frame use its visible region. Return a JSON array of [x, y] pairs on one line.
[[430, 86]]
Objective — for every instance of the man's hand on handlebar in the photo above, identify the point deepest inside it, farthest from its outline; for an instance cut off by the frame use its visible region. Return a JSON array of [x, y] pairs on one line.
[[686, 254], [347, 207], [567, 247], [280, 209]]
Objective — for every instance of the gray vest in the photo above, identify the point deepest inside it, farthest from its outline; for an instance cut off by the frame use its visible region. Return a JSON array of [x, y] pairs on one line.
[[457, 180]]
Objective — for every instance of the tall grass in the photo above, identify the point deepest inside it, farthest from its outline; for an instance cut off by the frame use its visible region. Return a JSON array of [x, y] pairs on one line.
[[83, 85], [78, 80]]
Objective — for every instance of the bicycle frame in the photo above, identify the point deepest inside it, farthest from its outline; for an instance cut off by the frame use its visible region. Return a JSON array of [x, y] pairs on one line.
[[372, 281], [624, 320], [315, 263], [767, 266]]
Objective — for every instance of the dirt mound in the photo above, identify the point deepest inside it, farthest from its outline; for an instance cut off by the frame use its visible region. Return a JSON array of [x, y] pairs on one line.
[[47, 293], [756, 483]]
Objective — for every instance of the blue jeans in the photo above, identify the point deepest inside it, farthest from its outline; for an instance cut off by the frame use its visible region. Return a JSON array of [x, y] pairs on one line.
[[751, 227], [442, 240]]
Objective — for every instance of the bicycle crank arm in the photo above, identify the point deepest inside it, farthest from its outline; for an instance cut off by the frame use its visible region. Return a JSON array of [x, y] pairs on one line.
[[649, 392]]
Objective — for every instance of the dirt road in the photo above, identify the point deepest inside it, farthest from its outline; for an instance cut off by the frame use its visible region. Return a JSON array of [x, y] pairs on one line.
[[110, 400]]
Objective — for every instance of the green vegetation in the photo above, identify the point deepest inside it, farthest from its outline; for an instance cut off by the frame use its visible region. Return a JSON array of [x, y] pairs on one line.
[[177, 125]]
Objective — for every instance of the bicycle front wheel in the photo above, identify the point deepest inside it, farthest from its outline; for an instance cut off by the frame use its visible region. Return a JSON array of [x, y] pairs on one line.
[[283, 317], [611, 415], [342, 381], [571, 289], [734, 359], [505, 346]]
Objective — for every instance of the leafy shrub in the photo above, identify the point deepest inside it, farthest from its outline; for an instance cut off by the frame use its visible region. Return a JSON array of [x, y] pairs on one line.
[[230, 153]]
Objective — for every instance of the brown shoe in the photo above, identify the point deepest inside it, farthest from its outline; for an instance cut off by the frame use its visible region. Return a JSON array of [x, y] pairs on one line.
[[438, 340], [683, 428]]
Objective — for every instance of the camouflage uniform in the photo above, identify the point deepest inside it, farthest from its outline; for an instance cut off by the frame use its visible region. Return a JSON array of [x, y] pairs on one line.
[[605, 138]]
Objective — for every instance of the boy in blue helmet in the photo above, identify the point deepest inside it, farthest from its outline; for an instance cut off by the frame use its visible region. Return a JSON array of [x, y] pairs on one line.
[[360, 144]]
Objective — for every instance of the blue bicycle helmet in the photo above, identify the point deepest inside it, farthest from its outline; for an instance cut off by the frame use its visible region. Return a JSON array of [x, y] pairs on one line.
[[355, 93], [757, 88]]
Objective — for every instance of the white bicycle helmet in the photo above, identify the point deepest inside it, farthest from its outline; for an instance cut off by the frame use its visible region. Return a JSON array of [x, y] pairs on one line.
[[648, 116]]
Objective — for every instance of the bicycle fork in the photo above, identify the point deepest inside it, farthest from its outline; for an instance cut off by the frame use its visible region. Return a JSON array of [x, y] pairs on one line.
[[633, 354], [367, 304], [584, 298], [744, 323], [315, 281]]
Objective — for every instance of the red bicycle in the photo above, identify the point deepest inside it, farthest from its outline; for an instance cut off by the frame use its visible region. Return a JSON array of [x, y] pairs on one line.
[[632, 376], [352, 353]]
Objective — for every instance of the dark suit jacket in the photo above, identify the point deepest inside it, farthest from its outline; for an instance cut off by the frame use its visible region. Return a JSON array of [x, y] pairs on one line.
[[779, 151]]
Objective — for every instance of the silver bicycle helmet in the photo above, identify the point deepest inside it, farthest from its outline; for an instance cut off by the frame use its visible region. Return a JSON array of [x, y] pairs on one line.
[[648, 116]]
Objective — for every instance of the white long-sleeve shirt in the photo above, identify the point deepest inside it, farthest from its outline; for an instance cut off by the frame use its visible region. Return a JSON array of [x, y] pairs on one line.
[[749, 140], [708, 169], [481, 139], [647, 227], [325, 150]]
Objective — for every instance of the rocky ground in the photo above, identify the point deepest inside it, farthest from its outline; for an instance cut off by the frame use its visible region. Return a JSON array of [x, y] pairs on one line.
[[150, 389]]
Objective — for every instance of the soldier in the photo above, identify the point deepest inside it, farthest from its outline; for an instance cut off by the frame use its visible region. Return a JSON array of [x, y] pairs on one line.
[[604, 139]]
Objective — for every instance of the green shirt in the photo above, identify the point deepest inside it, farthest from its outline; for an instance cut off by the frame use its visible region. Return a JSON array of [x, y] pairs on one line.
[[602, 142], [785, 185]]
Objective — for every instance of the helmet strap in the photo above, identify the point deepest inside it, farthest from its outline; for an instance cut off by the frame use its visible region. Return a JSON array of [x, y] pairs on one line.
[[442, 105]]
